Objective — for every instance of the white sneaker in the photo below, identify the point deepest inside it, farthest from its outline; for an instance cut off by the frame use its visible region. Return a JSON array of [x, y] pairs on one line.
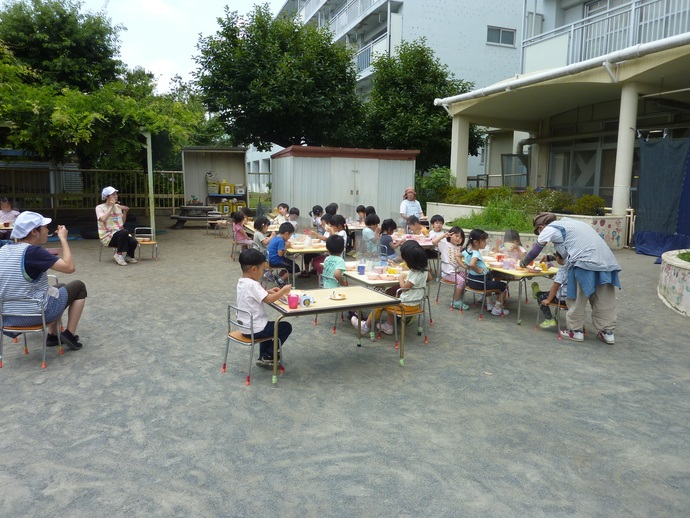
[[120, 260], [498, 310], [385, 328], [355, 324], [606, 337], [489, 306], [576, 336], [130, 260]]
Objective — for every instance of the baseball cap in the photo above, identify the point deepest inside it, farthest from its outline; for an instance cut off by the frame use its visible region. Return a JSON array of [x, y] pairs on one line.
[[543, 219], [107, 191], [26, 222]]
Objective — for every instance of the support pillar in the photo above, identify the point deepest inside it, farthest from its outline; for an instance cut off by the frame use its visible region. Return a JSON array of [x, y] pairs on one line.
[[460, 144], [627, 128]]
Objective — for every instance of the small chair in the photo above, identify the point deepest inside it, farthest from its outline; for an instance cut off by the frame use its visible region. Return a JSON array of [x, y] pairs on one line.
[[215, 221], [556, 306], [321, 278], [145, 237], [235, 244], [100, 252], [484, 292], [440, 279], [26, 307], [237, 317], [419, 312]]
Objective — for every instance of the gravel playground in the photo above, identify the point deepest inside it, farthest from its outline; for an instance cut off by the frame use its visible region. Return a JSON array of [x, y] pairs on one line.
[[489, 419]]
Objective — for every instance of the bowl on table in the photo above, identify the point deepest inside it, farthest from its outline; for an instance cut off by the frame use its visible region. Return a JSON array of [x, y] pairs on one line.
[[297, 246], [350, 267], [388, 277], [373, 276]]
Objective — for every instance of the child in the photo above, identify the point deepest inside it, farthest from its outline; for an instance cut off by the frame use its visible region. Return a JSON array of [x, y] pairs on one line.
[[7, 215], [282, 216], [261, 240], [251, 296], [512, 246], [338, 226], [293, 217], [369, 210], [241, 237], [276, 252], [558, 287], [387, 228], [415, 279], [316, 213], [361, 213], [370, 235], [334, 265], [450, 247], [437, 223], [415, 226], [332, 209], [478, 269]]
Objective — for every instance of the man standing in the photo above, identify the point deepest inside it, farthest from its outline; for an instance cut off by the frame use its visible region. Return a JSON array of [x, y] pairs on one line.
[[592, 277]]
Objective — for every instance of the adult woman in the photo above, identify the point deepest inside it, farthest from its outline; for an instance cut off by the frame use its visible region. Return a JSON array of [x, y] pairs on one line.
[[410, 206], [111, 231], [23, 267]]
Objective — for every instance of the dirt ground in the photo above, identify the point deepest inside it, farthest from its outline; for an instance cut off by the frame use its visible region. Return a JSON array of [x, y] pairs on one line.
[[489, 419]]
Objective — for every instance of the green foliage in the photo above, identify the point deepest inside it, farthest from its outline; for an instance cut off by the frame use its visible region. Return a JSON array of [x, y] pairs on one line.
[[684, 256], [500, 213], [69, 48], [278, 81], [588, 205], [431, 182], [400, 112]]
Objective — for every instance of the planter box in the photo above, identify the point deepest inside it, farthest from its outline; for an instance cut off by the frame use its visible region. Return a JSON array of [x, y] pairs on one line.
[[610, 228], [674, 282]]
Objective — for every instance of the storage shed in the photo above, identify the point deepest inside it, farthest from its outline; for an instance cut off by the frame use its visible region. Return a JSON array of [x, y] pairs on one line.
[[304, 176], [226, 163]]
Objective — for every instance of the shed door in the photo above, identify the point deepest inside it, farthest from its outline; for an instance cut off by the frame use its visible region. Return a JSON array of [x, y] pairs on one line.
[[354, 182]]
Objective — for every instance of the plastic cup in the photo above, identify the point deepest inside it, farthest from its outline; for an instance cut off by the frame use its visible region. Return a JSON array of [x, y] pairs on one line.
[[360, 269], [293, 301]]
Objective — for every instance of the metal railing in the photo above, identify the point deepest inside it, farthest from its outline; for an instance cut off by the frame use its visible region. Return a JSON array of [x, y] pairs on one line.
[[46, 189], [641, 21], [365, 55]]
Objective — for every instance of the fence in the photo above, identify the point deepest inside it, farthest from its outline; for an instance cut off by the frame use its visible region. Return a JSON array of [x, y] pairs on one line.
[[51, 189]]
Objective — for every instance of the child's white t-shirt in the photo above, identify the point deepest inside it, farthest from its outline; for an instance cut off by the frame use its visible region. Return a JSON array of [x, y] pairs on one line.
[[418, 280], [450, 255], [250, 297], [433, 233], [343, 234]]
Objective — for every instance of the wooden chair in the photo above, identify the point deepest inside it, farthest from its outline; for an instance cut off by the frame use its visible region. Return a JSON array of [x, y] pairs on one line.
[[216, 222], [145, 237], [484, 292], [25, 307], [237, 317], [419, 311]]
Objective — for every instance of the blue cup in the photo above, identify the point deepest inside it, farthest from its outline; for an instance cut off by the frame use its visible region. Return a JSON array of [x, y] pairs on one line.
[[360, 269]]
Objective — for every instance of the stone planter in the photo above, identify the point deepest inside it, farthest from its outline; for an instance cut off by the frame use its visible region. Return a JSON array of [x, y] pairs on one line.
[[674, 282], [610, 228]]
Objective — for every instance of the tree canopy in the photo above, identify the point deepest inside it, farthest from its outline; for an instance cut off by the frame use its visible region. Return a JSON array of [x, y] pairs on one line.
[[278, 81], [69, 47], [400, 111]]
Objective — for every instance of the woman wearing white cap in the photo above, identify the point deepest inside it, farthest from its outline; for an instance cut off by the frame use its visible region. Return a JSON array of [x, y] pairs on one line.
[[23, 267], [111, 231]]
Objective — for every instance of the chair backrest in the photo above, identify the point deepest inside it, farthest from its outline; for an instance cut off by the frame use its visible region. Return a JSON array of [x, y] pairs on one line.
[[21, 307], [145, 232], [239, 318], [418, 294]]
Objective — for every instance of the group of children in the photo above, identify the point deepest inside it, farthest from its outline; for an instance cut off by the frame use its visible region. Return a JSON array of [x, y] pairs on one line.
[[462, 264]]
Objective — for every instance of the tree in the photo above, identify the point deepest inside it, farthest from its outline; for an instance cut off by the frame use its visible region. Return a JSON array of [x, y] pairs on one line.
[[278, 81], [68, 47], [400, 112]]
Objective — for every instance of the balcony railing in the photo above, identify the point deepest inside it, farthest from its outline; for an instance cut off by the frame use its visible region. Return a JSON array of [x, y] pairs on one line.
[[366, 54], [641, 21]]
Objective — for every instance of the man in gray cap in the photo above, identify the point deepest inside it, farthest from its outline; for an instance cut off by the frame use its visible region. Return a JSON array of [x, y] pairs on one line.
[[23, 267], [592, 277]]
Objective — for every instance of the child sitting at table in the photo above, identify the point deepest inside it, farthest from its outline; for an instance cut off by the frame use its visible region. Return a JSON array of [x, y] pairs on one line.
[[316, 213], [7, 217], [333, 225], [261, 238], [251, 296], [387, 228], [334, 265], [452, 262], [415, 279], [512, 245], [293, 217], [276, 253], [282, 217], [361, 213], [369, 210], [241, 237], [332, 209], [415, 226], [558, 288], [478, 271], [437, 223], [370, 233]]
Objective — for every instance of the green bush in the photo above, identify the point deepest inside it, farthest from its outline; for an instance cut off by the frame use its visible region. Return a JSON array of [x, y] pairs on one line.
[[588, 205], [500, 213], [684, 256]]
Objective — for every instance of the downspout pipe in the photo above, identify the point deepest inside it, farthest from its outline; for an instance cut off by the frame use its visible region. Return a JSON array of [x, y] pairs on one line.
[[618, 56]]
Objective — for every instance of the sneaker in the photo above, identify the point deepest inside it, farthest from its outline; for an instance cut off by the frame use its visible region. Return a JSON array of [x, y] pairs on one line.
[[547, 324], [265, 362], [489, 306], [130, 260], [385, 328], [606, 337], [268, 276], [577, 336], [499, 310], [70, 340], [459, 304], [52, 340], [535, 289], [355, 323], [119, 260], [279, 282]]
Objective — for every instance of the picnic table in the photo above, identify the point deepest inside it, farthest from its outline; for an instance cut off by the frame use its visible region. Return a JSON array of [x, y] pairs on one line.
[[193, 213]]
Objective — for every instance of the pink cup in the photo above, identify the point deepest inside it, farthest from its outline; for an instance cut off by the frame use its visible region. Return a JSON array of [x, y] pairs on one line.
[[293, 301]]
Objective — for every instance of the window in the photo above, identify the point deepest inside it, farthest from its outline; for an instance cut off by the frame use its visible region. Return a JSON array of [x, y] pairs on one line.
[[500, 36]]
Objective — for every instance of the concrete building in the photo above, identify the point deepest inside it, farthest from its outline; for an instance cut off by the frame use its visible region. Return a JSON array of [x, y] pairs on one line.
[[595, 75], [478, 42]]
